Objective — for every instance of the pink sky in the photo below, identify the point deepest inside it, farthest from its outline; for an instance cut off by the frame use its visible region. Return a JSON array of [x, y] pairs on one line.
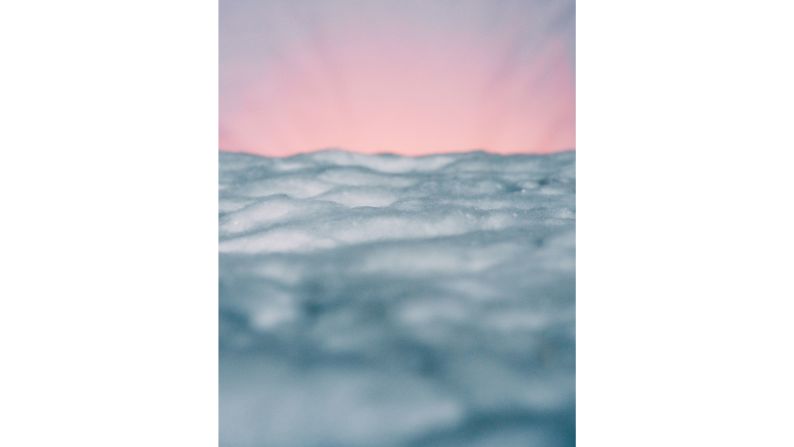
[[410, 77]]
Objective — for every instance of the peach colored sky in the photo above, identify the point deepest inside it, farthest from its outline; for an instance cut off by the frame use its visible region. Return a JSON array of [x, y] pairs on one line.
[[403, 76]]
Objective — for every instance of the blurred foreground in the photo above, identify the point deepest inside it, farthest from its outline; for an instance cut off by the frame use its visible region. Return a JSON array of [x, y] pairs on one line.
[[378, 300]]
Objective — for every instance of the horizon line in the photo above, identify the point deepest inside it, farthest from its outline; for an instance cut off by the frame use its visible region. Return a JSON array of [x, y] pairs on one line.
[[391, 153]]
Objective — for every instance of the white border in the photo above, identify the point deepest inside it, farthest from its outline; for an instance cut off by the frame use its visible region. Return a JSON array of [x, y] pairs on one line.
[[108, 173], [684, 223]]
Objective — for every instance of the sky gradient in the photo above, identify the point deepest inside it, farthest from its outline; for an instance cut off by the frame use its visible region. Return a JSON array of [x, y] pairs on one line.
[[404, 76]]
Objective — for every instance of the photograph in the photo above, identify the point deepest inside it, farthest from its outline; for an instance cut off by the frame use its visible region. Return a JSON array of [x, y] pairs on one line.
[[396, 223], [397, 220]]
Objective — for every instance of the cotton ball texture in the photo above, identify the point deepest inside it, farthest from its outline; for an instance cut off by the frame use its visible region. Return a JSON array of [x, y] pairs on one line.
[[381, 300]]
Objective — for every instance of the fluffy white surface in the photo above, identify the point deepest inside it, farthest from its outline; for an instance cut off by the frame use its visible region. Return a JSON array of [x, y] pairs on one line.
[[393, 301]]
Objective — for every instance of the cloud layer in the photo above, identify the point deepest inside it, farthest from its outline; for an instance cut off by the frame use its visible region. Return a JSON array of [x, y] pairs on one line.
[[391, 301]]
